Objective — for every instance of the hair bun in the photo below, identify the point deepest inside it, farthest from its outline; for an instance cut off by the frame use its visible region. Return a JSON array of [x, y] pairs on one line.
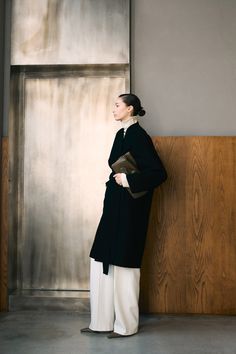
[[141, 112]]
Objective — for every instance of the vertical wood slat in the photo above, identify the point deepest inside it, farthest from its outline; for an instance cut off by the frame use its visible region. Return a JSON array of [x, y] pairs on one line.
[[4, 227], [189, 264]]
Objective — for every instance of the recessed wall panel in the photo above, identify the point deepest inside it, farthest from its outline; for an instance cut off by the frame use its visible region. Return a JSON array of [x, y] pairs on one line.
[[68, 132], [70, 32]]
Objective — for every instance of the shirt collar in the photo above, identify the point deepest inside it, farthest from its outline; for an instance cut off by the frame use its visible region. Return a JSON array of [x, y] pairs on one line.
[[126, 124]]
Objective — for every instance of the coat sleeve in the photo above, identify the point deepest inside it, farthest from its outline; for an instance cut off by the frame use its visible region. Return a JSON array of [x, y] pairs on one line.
[[152, 172]]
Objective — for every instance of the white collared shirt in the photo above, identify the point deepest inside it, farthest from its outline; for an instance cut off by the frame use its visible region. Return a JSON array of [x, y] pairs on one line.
[[126, 124]]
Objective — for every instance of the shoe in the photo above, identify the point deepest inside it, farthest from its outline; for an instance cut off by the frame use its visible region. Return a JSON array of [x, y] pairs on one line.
[[88, 330], [118, 335]]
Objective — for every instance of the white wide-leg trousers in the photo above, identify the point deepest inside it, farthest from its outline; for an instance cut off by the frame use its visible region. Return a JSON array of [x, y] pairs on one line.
[[114, 298]]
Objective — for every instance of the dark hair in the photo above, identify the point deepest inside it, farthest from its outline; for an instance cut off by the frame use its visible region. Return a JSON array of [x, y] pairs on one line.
[[132, 100]]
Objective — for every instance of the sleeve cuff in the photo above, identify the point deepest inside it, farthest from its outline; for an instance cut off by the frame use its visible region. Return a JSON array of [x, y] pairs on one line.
[[124, 180]]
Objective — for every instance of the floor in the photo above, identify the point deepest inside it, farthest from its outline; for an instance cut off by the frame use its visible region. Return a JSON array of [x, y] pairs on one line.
[[36, 332]]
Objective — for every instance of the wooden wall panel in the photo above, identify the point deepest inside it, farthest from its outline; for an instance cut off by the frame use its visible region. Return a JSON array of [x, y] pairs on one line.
[[4, 227], [189, 263]]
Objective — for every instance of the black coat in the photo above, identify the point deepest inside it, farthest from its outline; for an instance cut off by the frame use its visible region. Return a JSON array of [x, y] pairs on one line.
[[121, 233]]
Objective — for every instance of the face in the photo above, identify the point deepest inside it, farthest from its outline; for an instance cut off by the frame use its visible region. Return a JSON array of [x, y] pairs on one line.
[[121, 111]]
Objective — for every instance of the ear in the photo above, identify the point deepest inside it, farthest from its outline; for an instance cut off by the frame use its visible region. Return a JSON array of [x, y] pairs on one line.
[[130, 108]]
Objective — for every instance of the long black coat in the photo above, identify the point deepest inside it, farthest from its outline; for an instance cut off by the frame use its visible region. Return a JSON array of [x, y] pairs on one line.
[[121, 233]]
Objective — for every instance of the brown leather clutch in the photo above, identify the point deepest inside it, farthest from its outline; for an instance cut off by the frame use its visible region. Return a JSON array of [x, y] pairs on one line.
[[127, 164]]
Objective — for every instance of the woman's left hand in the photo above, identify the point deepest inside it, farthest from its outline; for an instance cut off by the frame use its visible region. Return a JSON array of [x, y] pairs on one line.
[[118, 179]]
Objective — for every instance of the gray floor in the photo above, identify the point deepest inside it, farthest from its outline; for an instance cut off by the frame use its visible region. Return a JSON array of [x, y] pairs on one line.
[[29, 332]]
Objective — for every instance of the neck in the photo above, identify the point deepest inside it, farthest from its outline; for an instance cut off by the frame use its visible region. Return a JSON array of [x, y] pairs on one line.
[[129, 121]]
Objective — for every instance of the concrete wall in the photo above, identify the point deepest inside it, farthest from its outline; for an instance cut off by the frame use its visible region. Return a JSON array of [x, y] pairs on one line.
[[184, 65]]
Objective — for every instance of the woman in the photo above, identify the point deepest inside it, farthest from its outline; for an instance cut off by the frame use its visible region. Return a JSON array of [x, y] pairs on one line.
[[118, 246]]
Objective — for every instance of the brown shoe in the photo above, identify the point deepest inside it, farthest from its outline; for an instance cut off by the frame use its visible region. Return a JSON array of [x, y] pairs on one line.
[[88, 330], [117, 335]]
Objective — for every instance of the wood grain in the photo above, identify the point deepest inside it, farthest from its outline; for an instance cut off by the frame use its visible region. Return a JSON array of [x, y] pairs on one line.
[[4, 228], [189, 264]]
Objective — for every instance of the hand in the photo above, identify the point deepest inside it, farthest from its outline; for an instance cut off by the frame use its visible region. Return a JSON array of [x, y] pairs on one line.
[[118, 179]]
